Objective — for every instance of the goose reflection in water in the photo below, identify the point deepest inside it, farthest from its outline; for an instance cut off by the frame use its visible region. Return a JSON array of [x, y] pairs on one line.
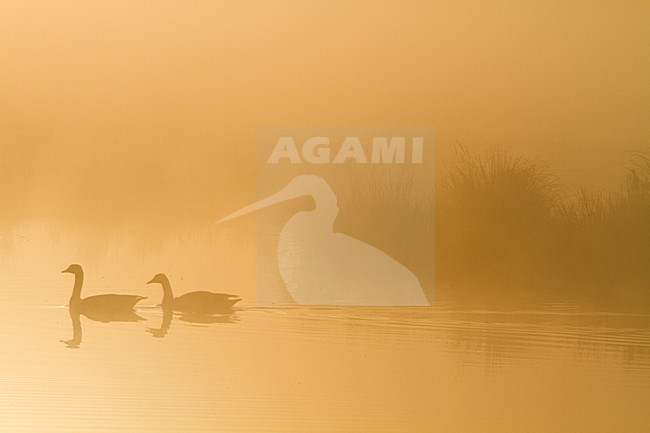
[[101, 308], [195, 318], [77, 332]]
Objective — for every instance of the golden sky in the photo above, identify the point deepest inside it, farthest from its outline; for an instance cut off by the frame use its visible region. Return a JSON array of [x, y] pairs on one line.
[[165, 97]]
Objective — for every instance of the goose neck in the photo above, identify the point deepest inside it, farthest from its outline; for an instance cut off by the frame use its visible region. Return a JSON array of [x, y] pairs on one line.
[[168, 296], [78, 284]]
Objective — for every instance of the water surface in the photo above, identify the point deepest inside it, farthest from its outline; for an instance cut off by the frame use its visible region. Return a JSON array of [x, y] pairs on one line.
[[552, 368]]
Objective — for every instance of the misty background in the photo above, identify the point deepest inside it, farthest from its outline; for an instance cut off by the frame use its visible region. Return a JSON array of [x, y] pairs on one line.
[[127, 129]]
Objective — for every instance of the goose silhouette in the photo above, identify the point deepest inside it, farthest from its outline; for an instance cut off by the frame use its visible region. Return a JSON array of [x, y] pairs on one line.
[[200, 302], [101, 308]]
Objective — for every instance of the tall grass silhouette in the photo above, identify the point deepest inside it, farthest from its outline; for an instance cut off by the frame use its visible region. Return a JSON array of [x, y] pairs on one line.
[[506, 226], [493, 219], [610, 237]]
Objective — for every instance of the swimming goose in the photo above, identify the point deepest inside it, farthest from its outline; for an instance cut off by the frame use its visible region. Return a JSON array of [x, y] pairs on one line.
[[103, 308], [195, 302]]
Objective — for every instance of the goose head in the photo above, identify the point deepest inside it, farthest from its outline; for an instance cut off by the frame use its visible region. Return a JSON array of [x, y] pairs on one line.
[[73, 269], [159, 279], [78, 283]]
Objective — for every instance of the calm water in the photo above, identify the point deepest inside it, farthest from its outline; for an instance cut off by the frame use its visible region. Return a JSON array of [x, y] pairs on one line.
[[553, 368]]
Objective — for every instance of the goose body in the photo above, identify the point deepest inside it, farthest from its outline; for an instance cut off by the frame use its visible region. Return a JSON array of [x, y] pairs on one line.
[[110, 303], [102, 308], [201, 302]]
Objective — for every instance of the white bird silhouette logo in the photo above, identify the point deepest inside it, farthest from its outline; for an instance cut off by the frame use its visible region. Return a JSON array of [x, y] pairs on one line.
[[321, 267]]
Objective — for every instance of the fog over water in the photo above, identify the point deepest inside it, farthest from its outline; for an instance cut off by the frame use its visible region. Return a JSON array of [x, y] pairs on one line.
[[127, 129]]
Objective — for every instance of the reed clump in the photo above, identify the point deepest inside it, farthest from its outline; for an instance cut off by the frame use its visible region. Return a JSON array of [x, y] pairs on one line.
[[493, 219], [506, 225]]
